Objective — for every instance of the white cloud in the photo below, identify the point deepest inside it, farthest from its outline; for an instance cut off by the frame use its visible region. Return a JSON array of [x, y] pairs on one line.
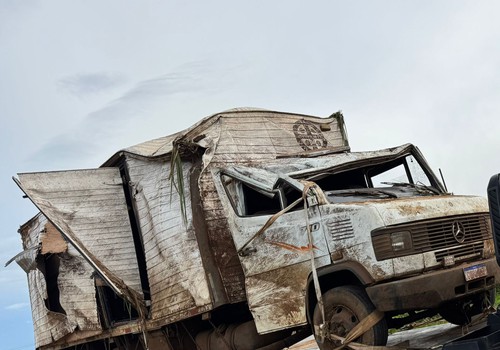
[[140, 105], [17, 306], [85, 84]]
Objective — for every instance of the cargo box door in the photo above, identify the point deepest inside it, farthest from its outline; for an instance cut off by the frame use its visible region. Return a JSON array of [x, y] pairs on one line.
[[89, 208]]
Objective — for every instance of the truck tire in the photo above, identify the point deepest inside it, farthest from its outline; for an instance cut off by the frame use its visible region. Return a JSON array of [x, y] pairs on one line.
[[344, 308], [460, 312]]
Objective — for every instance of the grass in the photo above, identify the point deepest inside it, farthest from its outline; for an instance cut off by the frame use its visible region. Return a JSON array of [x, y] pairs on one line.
[[435, 320]]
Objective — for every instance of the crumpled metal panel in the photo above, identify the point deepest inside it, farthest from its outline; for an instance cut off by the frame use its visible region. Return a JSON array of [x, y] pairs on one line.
[[259, 135], [277, 263], [296, 167], [89, 204], [252, 131], [277, 297], [254, 176], [153, 148], [250, 137], [76, 288], [393, 213], [176, 275], [221, 241], [26, 259], [242, 136]]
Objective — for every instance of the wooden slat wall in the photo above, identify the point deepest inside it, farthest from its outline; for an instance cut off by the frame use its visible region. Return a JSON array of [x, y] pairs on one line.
[[76, 287], [261, 137], [77, 290], [92, 203], [175, 271]]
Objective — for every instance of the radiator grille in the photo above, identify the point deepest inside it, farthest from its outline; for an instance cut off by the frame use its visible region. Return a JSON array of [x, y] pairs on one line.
[[462, 252], [437, 235]]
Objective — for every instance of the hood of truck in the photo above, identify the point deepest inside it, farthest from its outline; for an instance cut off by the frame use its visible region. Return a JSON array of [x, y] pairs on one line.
[[348, 227], [398, 211]]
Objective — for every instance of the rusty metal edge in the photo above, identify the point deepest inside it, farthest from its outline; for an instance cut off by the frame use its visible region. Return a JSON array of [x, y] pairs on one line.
[[217, 291]]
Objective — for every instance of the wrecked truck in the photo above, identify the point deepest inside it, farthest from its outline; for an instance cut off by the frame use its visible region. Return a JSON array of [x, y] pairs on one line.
[[251, 229]]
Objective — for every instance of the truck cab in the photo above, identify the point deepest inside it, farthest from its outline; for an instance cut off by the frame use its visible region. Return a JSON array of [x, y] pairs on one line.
[[384, 234]]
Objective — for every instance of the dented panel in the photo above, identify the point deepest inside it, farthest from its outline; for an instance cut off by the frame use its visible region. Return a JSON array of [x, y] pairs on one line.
[[75, 287], [396, 212], [252, 134], [175, 271], [277, 262], [277, 297], [352, 241], [89, 206]]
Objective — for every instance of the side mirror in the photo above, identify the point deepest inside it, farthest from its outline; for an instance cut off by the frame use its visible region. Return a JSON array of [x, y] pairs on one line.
[[494, 205]]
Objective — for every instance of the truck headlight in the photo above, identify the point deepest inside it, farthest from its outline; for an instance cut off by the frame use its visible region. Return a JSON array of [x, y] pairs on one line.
[[401, 240]]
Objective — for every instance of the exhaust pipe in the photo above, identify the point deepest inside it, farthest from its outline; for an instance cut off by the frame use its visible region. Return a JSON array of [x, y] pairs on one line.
[[241, 336]]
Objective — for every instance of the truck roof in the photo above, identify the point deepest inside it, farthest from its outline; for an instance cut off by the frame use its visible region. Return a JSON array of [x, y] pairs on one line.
[[266, 174], [250, 134]]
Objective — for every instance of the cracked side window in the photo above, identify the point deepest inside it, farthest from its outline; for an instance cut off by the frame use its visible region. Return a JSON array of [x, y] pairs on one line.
[[249, 201]]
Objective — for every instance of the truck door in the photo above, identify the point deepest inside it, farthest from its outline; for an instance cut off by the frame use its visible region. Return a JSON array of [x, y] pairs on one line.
[[89, 209], [277, 260]]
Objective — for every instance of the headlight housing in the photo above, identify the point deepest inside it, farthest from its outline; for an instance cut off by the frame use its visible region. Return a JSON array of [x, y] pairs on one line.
[[401, 241]]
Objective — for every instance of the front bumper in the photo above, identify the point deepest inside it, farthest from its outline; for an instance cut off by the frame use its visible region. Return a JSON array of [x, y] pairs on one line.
[[430, 289]]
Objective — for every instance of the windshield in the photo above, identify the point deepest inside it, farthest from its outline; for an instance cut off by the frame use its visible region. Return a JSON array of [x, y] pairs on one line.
[[402, 177]]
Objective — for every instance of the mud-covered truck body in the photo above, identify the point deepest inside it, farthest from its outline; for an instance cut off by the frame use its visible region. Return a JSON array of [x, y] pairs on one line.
[[227, 234]]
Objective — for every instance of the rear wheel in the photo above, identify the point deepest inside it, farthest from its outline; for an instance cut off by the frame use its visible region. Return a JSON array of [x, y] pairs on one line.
[[344, 308]]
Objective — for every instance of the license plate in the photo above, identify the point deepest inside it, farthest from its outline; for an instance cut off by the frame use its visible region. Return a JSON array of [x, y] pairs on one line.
[[475, 272]]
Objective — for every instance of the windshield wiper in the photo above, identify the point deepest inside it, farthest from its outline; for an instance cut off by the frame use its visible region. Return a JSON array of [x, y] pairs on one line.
[[362, 191], [418, 187]]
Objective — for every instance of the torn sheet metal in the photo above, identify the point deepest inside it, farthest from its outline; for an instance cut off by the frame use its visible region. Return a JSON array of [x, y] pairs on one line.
[[26, 259], [251, 133], [276, 297], [259, 178], [240, 136], [276, 261], [297, 167], [88, 207], [75, 286], [175, 270]]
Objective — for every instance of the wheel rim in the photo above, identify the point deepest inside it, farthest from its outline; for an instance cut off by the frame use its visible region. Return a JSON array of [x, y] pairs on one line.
[[342, 321]]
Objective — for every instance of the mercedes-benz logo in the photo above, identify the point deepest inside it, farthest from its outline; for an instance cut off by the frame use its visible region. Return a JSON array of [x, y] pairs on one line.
[[458, 231]]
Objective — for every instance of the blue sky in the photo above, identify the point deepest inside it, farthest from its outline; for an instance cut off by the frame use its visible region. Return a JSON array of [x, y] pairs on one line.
[[80, 80]]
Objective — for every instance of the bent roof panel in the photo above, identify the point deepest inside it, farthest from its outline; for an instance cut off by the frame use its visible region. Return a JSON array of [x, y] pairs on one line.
[[296, 167], [313, 133]]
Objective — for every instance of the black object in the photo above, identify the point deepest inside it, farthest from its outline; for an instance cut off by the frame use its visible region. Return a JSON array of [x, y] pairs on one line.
[[487, 337], [494, 204], [483, 339]]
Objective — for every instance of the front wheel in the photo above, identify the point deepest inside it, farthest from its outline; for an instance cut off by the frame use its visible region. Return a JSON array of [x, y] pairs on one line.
[[344, 308]]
